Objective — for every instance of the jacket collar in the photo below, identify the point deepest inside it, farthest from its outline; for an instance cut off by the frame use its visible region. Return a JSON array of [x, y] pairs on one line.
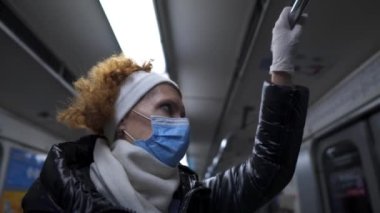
[[67, 163]]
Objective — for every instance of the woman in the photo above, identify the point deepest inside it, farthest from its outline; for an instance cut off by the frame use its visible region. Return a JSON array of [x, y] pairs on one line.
[[132, 163]]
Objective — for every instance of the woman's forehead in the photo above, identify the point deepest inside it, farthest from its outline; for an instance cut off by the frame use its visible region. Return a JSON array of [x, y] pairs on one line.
[[164, 91]]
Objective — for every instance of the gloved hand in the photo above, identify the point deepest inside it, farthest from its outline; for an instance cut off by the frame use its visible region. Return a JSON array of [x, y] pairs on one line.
[[284, 43]]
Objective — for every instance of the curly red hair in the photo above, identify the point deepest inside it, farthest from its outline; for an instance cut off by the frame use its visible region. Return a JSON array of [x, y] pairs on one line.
[[97, 92]]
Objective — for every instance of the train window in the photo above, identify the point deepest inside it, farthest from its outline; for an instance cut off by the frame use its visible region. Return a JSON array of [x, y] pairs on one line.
[[347, 187]]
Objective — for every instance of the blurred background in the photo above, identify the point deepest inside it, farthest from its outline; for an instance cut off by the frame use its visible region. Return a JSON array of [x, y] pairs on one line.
[[219, 53]]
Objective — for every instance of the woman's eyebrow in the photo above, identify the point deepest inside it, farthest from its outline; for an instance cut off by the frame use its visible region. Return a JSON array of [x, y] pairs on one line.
[[176, 102], [170, 101]]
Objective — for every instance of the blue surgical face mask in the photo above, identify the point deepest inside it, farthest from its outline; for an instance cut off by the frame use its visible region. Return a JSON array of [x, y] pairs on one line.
[[169, 140]]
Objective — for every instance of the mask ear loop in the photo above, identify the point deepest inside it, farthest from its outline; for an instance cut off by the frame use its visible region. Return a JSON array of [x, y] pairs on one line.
[[142, 115], [129, 135]]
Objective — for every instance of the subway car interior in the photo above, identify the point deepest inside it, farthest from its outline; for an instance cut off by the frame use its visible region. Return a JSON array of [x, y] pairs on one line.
[[218, 51]]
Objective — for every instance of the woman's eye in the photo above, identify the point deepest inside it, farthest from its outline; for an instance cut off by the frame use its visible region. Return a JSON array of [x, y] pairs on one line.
[[167, 108]]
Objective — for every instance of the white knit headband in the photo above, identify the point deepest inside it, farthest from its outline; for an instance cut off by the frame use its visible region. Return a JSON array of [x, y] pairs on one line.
[[133, 89]]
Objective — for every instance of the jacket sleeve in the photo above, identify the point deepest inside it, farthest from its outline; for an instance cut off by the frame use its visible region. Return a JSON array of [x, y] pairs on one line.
[[246, 187]]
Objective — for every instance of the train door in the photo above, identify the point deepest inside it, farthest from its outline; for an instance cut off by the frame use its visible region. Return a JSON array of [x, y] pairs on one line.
[[308, 194], [347, 172]]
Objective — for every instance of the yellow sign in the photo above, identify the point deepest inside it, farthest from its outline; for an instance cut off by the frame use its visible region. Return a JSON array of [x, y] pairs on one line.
[[11, 201]]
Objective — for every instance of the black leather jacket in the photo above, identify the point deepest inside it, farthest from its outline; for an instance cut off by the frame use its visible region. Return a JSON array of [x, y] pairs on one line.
[[65, 185]]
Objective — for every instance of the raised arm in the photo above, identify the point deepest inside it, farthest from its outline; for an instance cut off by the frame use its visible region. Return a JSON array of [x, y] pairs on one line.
[[268, 170]]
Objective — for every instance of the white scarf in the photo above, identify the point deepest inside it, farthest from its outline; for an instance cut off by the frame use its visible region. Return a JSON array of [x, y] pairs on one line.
[[131, 177]]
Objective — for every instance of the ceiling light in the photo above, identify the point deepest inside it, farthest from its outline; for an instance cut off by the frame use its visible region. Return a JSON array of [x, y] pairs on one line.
[[217, 157], [135, 26]]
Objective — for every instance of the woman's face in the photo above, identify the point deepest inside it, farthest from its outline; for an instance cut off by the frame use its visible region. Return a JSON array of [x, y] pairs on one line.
[[163, 100]]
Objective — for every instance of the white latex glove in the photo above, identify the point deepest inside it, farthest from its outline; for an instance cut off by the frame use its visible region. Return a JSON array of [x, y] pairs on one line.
[[284, 43]]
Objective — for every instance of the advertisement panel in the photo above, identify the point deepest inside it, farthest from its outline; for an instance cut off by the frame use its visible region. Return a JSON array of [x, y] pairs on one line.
[[23, 168]]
